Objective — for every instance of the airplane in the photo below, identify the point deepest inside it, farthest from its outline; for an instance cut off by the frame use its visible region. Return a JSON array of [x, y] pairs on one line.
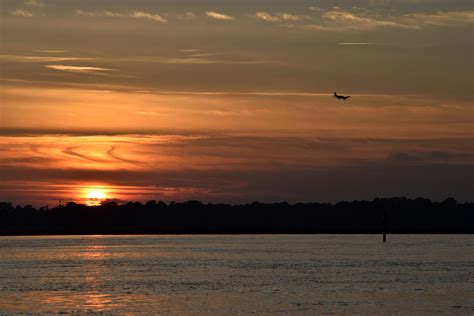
[[341, 97]]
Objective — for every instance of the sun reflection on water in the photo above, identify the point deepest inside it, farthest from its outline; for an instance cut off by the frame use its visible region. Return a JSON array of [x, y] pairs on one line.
[[98, 302], [96, 276]]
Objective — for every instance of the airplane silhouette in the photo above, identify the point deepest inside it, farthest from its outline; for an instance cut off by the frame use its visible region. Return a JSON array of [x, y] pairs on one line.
[[341, 97]]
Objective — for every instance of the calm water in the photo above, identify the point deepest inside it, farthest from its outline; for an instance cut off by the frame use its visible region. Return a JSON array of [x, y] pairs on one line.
[[285, 274]]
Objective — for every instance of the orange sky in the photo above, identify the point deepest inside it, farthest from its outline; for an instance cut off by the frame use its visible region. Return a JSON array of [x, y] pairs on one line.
[[233, 102]]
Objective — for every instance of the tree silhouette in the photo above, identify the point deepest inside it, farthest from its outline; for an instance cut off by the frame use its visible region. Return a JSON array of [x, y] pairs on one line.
[[401, 215]]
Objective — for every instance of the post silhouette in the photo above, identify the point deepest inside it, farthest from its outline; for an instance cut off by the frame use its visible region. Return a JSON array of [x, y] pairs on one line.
[[385, 220]]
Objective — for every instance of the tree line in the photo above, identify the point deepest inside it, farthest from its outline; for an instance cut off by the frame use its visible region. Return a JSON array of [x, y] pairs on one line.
[[395, 215]]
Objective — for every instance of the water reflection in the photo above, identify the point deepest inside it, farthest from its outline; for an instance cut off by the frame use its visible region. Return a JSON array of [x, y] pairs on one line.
[[94, 252], [239, 275], [98, 302], [96, 275]]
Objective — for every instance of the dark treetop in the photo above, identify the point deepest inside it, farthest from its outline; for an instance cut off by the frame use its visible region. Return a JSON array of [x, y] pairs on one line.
[[394, 215]]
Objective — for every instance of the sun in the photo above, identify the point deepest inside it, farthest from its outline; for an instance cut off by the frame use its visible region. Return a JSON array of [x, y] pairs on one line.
[[95, 196]]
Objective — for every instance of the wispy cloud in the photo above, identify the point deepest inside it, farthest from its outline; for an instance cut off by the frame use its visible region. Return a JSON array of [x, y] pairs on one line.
[[280, 17], [22, 13], [356, 43], [267, 17], [202, 55], [228, 162], [190, 60], [197, 58], [71, 151], [340, 20], [149, 16], [323, 28], [35, 59], [219, 16], [292, 17], [52, 51], [191, 50], [441, 18], [80, 69], [112, 14], [353, 21], [315, 9], [112, 153], [87, 13]]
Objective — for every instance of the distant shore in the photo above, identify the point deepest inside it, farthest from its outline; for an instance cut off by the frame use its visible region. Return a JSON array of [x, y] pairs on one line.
[[389, 215]]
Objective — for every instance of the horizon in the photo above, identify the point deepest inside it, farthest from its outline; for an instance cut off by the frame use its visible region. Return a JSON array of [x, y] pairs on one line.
[[380, 216], [233, 101], [98, 202]]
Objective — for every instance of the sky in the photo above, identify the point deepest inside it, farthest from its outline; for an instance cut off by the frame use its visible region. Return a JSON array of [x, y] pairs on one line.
[[231, 101]]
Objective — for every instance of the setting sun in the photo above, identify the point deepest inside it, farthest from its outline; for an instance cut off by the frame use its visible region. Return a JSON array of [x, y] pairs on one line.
[[94, 196]]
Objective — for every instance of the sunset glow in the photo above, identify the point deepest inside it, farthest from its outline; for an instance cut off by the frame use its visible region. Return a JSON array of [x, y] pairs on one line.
[[95, 196], [233, 102], [202, 157]]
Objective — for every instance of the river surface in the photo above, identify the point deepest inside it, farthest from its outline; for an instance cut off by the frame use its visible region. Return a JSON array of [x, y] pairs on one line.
[[243, 274]]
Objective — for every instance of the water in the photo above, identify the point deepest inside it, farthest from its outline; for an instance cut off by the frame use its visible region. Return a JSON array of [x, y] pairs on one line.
[[216, 275]]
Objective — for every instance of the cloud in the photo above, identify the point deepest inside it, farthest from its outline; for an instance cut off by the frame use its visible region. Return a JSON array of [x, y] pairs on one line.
[[267, 17], [352, 21], [145, 15], [201, 59], [340, 20], [80, 69], [356, 43], [219, 16], [293, 18], [203, 55], [441, 18], [315, 9], [35, 59], [189, 50], [250, 167], [87, 13], [71, 151], [35, 3], [280, 17], [388, 2], [436, 156], [112, 14], [196, 59], [323, 28], [112, 153], [52, 51], [22, 13]]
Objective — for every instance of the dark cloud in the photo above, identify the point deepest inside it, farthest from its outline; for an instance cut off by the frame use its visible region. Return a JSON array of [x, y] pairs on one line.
[[71, 152], [111, 152], [430, 157], [361, 181]]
